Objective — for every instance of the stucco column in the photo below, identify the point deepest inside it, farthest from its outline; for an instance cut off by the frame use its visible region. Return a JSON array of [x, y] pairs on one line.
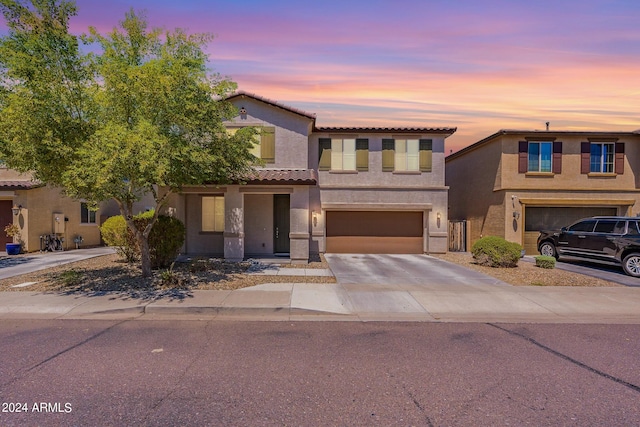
[[233, 224], [299, 225]]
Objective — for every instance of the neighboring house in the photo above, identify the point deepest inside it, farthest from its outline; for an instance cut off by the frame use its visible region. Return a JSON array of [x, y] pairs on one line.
[[42, 210], [322, 189], [515, 183]]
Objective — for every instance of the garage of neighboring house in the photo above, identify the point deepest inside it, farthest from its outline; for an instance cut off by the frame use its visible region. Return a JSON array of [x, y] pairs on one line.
[[400, 232], [537, 218]]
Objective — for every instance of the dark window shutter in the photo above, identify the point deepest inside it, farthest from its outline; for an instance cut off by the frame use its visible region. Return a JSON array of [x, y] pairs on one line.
[[523, 157], [619, 161], [426, 155], [557, 157], [585, 157], [362, 154], [388, 155], [324, 158], [268, 144]]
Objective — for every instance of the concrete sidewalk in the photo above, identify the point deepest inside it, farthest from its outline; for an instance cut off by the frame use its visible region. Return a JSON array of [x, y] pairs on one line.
[[472, 302], [383, 288]]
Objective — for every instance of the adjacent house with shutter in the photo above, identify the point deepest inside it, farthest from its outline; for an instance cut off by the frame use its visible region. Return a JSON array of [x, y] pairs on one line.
[[515, 183], [322, 189]]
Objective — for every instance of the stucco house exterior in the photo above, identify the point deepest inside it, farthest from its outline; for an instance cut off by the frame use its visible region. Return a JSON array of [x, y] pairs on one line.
[[516, 182], [42, 210], [322, 189]]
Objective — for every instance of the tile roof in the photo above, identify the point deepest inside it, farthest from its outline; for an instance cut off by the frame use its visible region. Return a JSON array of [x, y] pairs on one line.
[[241, 94], [387, 129], [19, 185], [283, 176]]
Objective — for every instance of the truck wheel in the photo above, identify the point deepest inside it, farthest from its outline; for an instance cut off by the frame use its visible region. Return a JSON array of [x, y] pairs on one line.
[[631, 264], [548, 249]]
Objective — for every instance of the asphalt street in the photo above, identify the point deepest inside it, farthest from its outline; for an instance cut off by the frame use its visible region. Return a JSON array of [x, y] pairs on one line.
[[224, 373]]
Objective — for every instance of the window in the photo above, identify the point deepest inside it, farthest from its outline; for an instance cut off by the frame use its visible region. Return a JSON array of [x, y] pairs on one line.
[[87, 216], [633, 228], [540, 154], [602, 156], [583, 226], [343, 154], [606, 226], [407, 155], [265, 146], [213, 213]]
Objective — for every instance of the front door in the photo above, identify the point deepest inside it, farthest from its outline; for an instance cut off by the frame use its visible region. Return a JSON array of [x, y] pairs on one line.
[[6, 218], [281, 223]]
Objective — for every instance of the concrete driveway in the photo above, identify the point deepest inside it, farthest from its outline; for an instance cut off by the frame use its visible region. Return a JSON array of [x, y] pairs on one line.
[[402, 269], [28, 263]]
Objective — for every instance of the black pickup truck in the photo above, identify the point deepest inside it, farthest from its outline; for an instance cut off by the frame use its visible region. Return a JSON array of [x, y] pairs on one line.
[[606, 239]]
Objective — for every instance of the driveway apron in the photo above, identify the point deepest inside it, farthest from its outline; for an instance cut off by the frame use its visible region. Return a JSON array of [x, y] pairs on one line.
[[406, 286], [398, 269]]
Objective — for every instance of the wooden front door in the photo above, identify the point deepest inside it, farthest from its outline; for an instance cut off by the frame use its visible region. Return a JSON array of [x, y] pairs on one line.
[[281, 219], [6, 218]]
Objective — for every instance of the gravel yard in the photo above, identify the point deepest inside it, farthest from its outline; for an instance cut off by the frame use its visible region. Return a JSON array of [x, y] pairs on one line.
[[109, 274], [106, 274], [526, 273]]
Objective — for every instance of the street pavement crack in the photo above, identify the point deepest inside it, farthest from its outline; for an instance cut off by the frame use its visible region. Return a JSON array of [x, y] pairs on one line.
[[569, 359], [60, 353], [428, 421]]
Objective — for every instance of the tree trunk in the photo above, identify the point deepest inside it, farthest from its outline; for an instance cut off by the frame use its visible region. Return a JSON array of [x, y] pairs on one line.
[[145, 256]]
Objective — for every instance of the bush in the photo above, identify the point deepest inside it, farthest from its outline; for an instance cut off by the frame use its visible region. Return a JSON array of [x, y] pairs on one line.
[[543, 261], [494, 251], [115, 233], [165, 240]]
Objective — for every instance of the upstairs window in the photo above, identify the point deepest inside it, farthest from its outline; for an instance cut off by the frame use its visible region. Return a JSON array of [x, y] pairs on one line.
[[401, 155], [602, 157], [265, 145], [601, 160], [539, 156], [343, 154]]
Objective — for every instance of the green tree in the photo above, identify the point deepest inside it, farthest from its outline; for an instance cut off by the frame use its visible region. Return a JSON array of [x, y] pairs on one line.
[[144, 115]]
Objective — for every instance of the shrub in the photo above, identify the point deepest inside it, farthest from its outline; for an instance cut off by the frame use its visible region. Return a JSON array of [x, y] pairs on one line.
[[543, 261], [165, 240], [494, 251], [115, 233]]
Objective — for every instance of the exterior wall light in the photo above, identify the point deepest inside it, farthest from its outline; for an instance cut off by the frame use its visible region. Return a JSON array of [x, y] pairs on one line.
[[16, 209]]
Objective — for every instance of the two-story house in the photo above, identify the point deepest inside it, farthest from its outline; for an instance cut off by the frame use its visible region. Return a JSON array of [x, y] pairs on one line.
[[359, 190], [515, 183]]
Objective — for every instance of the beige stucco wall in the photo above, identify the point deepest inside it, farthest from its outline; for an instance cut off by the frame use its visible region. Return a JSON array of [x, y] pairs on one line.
[[36, 218]]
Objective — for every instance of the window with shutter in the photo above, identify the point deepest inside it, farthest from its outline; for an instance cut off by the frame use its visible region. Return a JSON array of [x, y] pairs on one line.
[[345, 154], [324, 155]]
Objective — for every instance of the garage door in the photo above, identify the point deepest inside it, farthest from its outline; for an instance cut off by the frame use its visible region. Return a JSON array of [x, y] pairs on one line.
[[374, 232], [553, 218]]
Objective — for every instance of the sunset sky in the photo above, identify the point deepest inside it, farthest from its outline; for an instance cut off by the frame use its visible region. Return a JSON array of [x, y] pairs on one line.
[[478, 65]]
